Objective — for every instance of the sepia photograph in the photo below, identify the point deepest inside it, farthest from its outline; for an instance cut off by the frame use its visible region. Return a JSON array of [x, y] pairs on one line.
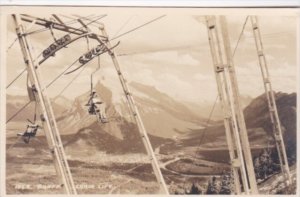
[[162, 101]]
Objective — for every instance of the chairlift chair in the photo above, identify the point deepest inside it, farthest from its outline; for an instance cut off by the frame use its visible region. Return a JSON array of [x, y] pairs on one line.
[[30, 132], [96, 106]]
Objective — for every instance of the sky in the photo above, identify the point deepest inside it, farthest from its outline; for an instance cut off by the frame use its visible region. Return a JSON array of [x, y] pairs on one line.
[[171, 54]]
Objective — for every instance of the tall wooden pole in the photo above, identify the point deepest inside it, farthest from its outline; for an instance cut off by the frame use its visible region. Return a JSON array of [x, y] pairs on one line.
[[238, 108], [47, 115], [273, 112], [138, 120]]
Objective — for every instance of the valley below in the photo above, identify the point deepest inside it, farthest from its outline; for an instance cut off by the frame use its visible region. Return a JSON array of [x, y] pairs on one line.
[[110, 158], [30, 169]]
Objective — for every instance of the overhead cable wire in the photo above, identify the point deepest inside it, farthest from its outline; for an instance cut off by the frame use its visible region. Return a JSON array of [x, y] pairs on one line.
[[61, 74], [240, 36], [15, 114], [89, 19], [124, 25], [134, 53], [272, 34], [265, 36], [79, 17], [73, 79], [11, 45], [138, 27], [207, 122], [17, 77], [163, 49]]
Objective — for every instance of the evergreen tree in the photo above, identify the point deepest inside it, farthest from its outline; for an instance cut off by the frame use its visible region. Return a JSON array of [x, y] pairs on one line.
[[257, 167], [266, 164], [225, 184], [194, 190], [212, 186]]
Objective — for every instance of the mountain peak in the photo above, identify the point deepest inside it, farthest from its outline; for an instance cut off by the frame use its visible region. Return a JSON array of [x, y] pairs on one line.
[[257, 115], [151, 91]]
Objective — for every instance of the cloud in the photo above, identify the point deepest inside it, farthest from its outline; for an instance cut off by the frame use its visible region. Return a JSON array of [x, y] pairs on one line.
[[251, 83], [179, 62]]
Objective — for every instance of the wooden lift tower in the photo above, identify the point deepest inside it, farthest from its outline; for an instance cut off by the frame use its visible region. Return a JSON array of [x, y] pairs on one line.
[[47, 115], [275, 121], [235, 127], [49, 123]]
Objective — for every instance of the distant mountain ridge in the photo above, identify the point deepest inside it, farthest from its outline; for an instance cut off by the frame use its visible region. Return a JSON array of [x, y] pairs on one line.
[[258, 124], [162, 115], [257, 116], [165, 120]]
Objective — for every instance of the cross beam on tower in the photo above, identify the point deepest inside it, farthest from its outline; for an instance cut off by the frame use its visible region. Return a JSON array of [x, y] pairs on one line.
[[45, 108], [235, 127], [275, 121], [59, 26]]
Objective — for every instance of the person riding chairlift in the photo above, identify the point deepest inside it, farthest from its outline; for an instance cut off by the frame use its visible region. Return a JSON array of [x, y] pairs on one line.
[[93, 103], [96, 107], [30, 132]]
